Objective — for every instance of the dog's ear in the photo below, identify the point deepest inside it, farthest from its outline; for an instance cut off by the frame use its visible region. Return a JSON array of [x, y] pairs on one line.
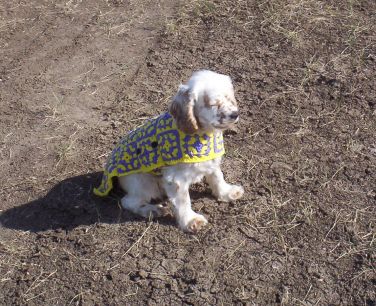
[[181, 108]]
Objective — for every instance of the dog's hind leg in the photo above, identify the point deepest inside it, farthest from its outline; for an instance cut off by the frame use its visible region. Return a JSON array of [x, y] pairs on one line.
[[140, 207], [141, 189]]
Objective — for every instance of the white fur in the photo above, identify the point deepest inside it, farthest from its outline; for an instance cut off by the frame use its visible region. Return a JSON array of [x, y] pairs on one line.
[[214, 104]]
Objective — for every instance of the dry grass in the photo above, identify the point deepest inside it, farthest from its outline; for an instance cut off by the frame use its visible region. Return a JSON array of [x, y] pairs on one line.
[[12, 253], [305, 210]]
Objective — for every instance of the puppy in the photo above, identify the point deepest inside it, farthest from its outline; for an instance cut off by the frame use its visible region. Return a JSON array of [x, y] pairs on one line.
[[168, 153]]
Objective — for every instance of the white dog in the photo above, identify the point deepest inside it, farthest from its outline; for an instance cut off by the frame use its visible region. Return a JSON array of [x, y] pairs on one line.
[[170, 152]]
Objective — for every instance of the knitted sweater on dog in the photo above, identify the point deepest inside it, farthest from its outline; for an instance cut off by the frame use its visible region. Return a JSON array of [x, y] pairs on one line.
[[156, 144]]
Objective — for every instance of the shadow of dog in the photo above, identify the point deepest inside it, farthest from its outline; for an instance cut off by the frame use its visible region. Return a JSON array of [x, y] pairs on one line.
[[69, 204]]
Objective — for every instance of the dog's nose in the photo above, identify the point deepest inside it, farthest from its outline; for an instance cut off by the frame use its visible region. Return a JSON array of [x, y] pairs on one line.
[[234, 115]]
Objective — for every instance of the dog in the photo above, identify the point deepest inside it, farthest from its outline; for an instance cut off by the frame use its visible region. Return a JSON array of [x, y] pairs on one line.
[[170, 152]]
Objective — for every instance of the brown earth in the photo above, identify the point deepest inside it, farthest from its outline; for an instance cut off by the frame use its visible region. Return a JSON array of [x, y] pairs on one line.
[[76, 75]]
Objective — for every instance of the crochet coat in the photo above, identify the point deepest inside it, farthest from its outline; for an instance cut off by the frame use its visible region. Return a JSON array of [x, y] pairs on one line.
[[156, 144]]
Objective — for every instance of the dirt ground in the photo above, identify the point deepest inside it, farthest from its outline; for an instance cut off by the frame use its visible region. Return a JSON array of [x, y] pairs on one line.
[[76, 75]]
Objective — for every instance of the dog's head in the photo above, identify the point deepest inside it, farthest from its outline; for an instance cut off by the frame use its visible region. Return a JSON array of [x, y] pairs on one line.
[[205, 103]]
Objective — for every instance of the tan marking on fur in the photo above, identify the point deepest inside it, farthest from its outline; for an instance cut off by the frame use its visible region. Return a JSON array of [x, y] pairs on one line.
[[218, 102], [231, 99], [181, 109], [206, 100]]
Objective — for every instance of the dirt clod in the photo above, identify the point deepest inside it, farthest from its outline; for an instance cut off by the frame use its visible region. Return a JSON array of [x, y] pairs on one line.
[[76, 75]]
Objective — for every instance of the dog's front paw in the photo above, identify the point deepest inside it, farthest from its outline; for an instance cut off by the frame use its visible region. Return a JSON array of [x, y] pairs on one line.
[[234, 192], [195, 224]]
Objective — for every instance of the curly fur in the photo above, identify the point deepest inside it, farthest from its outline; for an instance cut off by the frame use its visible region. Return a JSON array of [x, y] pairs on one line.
[[181, 109], [206, 103]]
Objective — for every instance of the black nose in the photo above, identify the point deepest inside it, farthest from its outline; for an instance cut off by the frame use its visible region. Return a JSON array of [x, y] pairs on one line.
[[234, 115]]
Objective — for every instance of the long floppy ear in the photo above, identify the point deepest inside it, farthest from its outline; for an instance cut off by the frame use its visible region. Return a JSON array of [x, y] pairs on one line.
[[181, 108]]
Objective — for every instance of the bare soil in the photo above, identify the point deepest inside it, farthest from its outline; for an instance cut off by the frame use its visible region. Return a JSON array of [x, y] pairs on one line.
[[76, 75]]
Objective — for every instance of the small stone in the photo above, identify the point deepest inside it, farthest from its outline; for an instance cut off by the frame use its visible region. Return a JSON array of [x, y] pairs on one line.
[[143, 274]]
